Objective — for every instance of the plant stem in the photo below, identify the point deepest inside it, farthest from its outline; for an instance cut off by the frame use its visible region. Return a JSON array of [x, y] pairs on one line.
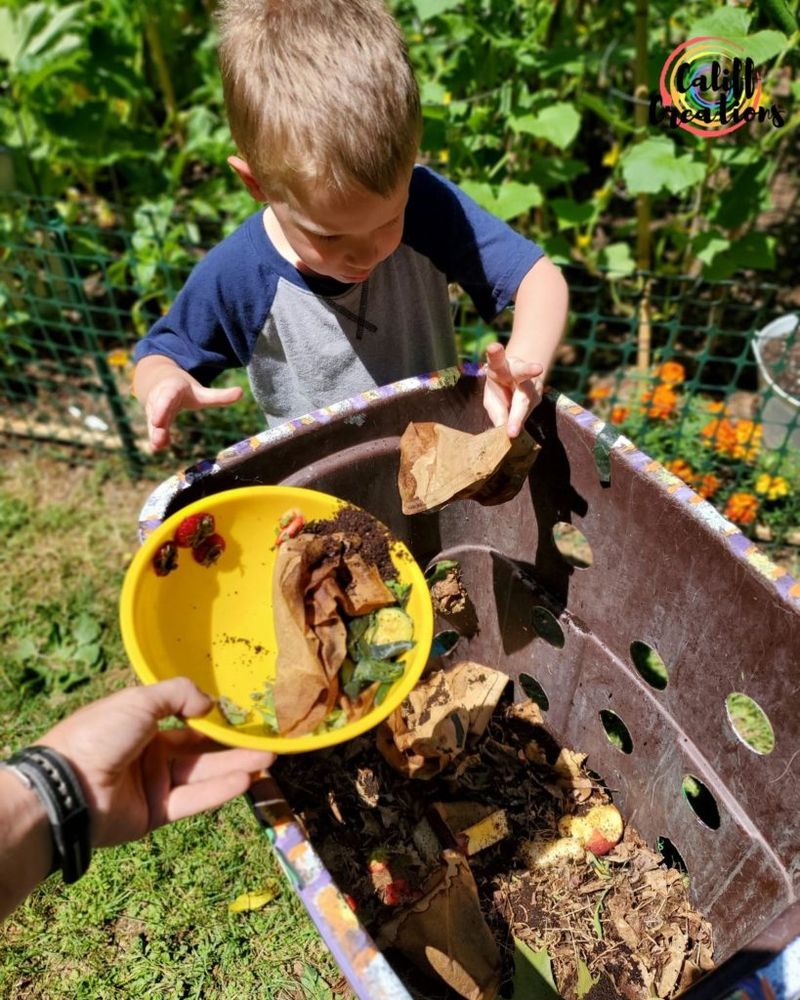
[[162, 72], [642, 200]]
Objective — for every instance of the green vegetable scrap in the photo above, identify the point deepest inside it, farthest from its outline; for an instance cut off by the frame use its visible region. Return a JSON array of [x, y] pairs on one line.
[[233, 713]]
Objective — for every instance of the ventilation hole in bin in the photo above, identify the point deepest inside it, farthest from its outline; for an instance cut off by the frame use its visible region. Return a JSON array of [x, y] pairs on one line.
[[703, 803], [444, 642], [616, 731], [532, 689], [649, 664], [671, 854], [572, 545], [546, 624], [750, 723]]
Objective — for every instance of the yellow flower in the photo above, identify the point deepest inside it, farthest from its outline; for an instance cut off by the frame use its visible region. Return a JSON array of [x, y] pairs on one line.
[[772, 487], [611, 156], [741, 508], [583, 241], [448, 97], [118, 358], [444, 156]]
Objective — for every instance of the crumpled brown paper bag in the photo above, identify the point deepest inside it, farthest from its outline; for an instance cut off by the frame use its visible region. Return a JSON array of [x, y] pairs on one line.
[[431, 727], [303, 692], [445, 932], [439, 464]]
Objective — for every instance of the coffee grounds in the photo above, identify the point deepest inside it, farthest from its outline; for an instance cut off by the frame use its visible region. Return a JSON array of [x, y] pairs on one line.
[[374, 538]]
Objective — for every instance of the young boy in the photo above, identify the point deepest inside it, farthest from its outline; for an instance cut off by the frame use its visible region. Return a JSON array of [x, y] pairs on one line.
[[340, 284]]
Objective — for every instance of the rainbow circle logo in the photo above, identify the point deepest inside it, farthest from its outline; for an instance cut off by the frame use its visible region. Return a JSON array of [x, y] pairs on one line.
[[710, 86]]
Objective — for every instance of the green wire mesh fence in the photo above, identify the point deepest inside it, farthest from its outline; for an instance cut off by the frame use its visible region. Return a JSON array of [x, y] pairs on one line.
[[703, 376]]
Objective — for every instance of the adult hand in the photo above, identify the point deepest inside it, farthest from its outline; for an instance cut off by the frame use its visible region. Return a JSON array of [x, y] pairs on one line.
[[513, 388], [136, 777], [177, 390]]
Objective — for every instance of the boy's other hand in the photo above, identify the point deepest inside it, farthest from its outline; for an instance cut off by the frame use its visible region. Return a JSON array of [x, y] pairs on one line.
[[513, 388], [173, 390]]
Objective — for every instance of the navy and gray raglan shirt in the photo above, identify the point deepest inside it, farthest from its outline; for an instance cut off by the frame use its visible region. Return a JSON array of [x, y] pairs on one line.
[[307, 341]]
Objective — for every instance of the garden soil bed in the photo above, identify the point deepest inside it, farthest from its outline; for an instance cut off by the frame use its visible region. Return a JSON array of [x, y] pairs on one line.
[[616, 925]]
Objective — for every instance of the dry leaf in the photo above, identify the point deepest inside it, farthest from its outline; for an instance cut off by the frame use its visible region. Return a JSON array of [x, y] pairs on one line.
[[254, 900], [672, 969]]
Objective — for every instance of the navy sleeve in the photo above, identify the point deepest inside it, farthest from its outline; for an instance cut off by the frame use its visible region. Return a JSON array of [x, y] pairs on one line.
[[464, 241], [216, 317]]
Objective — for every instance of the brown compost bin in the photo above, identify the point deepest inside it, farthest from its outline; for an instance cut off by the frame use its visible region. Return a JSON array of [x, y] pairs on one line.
[[667, 571]]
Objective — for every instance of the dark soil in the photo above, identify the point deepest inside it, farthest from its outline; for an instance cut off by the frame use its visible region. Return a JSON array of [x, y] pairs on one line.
[[374, 537]]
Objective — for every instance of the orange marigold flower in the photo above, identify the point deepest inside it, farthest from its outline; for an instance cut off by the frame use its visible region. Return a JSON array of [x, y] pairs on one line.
[[734, 437], [599, 392], [741, 508], [671, 372], [715, 406], [708, 485], [661, 402], [619, 414], [681, 469]]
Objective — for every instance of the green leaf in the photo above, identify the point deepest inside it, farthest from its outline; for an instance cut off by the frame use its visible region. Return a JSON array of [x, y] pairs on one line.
[[533, 974], [558, 124], [654, 165], [617, 258], [86, 630], [585, 981], [707, 245], [91, 654], [571, 213], [598, 909], [726, 22], [731, 23], [427, 9], [440, 570], [753, 250], [514, 198]]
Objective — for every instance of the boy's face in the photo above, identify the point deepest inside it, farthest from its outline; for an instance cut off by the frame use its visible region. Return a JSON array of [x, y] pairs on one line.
[[343, 236]]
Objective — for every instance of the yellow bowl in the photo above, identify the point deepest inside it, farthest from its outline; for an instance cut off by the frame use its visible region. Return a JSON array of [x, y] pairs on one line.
[[214, 624]]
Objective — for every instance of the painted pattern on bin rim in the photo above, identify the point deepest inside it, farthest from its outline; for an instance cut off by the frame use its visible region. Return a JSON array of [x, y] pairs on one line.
[[154, 509], [356, 954], [364, 966]]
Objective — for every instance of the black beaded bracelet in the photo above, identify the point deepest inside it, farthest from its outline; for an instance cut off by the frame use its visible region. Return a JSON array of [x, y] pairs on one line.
[[48, 774]]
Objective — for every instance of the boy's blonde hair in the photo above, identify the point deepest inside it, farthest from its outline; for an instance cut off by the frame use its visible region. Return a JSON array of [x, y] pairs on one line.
[[319, 92]]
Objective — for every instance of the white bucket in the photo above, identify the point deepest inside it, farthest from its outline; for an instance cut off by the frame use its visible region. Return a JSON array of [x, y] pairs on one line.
[[780, 415]]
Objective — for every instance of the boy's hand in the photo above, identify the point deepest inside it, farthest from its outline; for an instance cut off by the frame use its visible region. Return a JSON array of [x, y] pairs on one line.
[[513, 389], [164, 390]]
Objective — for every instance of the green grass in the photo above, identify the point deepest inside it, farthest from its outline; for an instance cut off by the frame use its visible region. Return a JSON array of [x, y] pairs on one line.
[[151, 918]]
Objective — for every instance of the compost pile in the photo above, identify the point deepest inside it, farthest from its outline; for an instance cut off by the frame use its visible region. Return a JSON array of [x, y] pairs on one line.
[[507, 861]]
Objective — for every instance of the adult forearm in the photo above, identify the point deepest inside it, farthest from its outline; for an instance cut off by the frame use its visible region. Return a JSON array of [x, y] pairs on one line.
[[540, 314], [26, 846]]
